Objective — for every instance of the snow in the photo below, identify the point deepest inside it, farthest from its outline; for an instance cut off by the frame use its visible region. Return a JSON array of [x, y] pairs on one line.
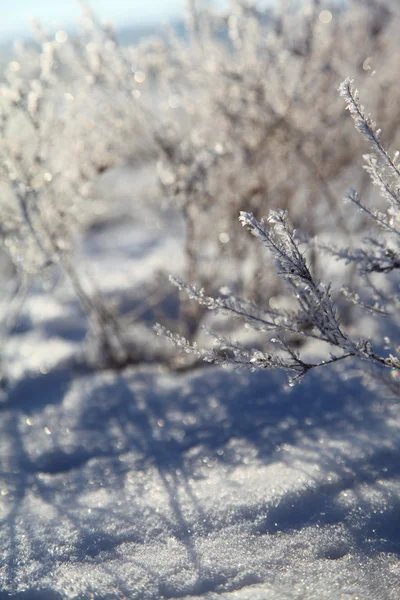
[[146, 483]]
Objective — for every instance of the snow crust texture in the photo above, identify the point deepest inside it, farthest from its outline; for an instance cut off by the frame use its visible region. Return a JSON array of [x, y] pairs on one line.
[[211, 484]]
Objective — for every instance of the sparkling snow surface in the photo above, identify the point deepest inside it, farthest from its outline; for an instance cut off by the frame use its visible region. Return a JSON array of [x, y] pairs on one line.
[[143, 484]]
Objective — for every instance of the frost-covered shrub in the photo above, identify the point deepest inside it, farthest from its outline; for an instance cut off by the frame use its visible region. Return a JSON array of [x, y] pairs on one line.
[[68, 112], [236, 111], [258, 127], [315, 316]]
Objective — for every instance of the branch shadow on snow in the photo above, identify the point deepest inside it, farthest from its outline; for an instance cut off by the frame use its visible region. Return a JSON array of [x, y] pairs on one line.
[[173, 424]]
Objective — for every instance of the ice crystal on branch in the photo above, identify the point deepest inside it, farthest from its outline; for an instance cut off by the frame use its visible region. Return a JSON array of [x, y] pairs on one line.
[[314, 299], [383, 170]]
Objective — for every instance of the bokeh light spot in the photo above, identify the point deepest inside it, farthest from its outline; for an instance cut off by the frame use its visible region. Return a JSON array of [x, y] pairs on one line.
[[325, 16]]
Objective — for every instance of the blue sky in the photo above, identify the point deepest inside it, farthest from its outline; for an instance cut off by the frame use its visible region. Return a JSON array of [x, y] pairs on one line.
[[16, 15]]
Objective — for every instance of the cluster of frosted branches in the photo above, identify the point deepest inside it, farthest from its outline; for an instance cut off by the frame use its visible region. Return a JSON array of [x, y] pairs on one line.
[[316, 316], [69, 110], [242, 84], [382, 254], [223, 116]]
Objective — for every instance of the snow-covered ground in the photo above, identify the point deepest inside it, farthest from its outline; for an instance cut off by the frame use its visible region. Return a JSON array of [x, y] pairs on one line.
[[146, 484]]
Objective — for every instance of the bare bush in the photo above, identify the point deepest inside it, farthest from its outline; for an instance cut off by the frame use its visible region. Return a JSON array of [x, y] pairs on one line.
[[258, 127], [69, 112], [316, 316], [237, 112]]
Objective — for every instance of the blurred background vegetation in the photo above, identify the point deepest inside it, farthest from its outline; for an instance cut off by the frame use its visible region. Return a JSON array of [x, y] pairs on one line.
[[232, 106]]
